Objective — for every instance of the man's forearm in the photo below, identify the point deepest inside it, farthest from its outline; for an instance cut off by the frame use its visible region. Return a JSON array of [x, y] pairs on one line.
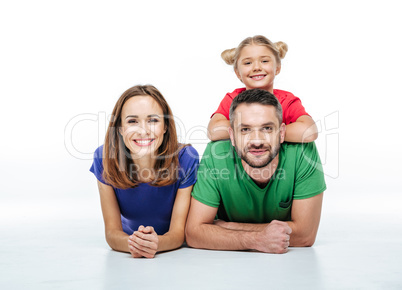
[[270, 238], [300, 237], [241, 226], [214, 237]]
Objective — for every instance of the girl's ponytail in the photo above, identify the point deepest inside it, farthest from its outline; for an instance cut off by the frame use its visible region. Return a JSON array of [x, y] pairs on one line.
[[228, 55], [282, 49]]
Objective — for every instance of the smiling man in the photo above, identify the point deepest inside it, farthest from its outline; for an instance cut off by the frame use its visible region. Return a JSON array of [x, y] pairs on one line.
[[266, 194]]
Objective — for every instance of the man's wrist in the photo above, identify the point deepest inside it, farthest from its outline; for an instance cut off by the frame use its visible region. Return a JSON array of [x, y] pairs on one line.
[[249, 240]]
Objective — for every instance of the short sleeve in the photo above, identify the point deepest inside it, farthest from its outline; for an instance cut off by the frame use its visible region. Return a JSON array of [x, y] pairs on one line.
[[189, 161], [224, 106], [97, 164], [309, 173], [291, 106], [206, 189], [294, 110]]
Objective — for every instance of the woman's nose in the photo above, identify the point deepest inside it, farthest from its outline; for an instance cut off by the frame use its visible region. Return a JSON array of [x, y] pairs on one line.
[[143, 129]]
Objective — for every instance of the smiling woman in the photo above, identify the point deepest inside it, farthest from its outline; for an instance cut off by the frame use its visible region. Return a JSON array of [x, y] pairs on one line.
[[145, 176]]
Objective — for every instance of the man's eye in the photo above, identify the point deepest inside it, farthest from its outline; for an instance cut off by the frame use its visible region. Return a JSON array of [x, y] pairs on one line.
[[245, 130], [268, 129]]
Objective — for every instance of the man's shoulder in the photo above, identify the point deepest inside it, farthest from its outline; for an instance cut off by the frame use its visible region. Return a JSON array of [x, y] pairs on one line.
[[299, 150], [218, 148]]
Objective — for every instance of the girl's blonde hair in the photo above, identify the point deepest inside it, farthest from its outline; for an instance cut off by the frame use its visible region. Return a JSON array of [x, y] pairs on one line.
[[279, 49]]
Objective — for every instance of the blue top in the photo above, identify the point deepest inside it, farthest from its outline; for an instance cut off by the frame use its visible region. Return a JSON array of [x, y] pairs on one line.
[[149, 205]]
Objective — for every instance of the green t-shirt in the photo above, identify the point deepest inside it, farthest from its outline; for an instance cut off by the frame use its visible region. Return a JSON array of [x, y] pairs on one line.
[[223, 183]]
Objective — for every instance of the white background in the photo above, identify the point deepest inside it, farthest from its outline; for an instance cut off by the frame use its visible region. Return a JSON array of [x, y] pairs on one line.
[[65, 63]]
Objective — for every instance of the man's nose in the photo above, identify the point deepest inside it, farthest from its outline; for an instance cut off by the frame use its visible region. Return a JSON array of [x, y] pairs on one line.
[[257, 137]]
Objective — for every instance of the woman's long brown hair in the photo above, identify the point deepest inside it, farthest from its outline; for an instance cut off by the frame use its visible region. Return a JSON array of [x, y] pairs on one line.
[[119, 169]]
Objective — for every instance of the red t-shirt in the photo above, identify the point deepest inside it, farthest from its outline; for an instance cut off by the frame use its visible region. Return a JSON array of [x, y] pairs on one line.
[[292, 107]]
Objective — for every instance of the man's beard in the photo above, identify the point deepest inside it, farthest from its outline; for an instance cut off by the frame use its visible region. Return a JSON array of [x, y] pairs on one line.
[[258, 163]]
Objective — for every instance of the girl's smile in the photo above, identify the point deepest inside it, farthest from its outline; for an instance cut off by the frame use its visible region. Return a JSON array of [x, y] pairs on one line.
[[258, 77]]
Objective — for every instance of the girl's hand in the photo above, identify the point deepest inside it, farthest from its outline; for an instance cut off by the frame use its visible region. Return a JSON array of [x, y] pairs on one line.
[[144, 242]]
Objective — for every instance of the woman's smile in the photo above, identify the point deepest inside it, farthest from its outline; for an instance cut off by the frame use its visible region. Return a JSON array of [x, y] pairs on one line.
[[144, 142]]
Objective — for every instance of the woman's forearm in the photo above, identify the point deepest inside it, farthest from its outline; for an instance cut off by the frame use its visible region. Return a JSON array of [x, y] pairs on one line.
[[170, 241], [117, 240]]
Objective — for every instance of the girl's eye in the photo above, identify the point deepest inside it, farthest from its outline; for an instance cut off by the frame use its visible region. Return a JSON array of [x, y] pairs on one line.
[[153, 120], [132, 121]]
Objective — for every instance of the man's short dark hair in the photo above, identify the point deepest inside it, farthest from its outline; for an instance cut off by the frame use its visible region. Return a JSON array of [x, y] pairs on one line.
[[258, 96]]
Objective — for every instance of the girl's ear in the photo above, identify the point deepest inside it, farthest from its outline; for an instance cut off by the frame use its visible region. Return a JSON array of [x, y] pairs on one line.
[[278, 70], [238, 75]]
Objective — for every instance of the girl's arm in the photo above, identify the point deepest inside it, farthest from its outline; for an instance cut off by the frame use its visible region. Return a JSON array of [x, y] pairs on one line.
[[115, 236], [218, 127], [303, 130], [147, 243]]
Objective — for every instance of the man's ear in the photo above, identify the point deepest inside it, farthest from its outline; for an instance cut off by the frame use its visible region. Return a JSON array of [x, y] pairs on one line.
[[231, 134], [282, 132]]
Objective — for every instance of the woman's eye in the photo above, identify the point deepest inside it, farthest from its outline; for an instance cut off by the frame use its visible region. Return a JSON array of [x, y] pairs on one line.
[[153, 120], [132, 121]]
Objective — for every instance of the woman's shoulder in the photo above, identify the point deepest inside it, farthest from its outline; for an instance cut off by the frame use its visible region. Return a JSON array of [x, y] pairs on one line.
[[98, 154], [187, 151], [188, 157]]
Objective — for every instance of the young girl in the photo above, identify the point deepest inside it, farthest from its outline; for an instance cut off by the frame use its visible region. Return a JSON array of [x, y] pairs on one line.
[[256, 62], [144, 176]]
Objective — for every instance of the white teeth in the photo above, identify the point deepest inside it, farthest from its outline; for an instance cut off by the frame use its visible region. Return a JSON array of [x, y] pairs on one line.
[[143, 142], [257, 77]]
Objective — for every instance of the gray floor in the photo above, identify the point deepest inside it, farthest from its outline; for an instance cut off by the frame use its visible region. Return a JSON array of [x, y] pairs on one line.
[[40, 248]]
